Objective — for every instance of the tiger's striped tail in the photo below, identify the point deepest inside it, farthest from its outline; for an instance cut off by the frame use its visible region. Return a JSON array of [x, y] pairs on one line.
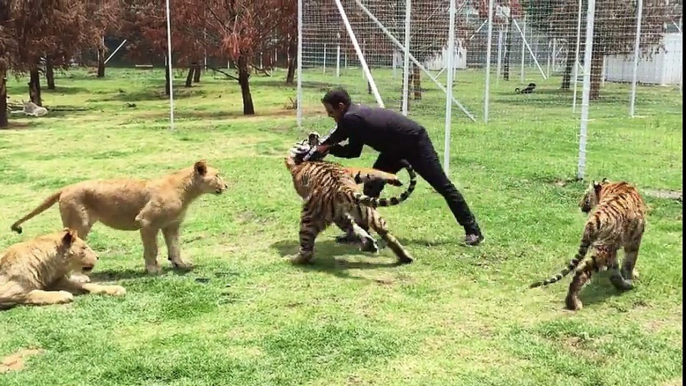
[[374, 202], [585, 244]]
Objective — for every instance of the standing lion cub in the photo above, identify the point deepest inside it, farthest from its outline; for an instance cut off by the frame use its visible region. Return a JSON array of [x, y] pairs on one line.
[[135, 204], [35, 271]]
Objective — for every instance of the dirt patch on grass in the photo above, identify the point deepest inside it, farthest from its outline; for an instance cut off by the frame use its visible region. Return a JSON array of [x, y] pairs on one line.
[[565, 182], [664, 194], [16, 126], [15, 362], [674, 382]]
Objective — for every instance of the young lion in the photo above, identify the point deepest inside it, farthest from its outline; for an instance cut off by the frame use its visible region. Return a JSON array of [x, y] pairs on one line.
[[136, 204], [35, 271]]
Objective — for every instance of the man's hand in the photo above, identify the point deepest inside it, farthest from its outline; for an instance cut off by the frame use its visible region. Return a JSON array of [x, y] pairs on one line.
[[323, 148]]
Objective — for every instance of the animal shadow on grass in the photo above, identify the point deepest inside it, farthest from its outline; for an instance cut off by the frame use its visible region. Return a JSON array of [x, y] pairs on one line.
[[124, 274], [427, 243], [323, 262], [66, 90], [599, 289]]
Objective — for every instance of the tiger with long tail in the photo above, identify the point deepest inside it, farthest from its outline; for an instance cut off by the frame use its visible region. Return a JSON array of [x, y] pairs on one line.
[[330, 195], [619, 221]]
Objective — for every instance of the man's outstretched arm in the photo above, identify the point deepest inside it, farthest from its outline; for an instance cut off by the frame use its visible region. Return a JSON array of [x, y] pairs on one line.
[[342, 132]]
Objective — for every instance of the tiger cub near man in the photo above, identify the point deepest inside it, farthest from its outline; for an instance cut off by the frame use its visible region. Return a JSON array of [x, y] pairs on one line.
[[618, 222], [331, 196]]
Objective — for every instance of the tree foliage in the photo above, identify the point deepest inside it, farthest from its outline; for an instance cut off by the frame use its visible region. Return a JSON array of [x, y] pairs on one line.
[[53, 29], [614, 31], [239, 30]]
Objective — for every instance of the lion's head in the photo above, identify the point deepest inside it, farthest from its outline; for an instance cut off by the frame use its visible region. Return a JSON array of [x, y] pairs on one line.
[[79, 256], [207, 179], [591, 196]]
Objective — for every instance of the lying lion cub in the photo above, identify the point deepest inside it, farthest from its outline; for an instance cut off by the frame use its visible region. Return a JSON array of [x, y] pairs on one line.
[[135, 204], [35, 271]]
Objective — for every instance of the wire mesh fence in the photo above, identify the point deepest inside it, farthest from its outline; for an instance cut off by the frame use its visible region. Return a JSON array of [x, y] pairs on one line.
[[532, 78]]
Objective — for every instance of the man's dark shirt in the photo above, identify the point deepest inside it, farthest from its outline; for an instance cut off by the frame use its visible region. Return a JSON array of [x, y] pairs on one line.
[[386, 131]]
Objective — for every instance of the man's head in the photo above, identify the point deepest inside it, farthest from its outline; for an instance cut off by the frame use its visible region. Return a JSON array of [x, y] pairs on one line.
[[336, 103]]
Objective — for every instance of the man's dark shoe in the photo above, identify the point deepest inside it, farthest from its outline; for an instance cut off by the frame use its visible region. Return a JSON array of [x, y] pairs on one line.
[[473, 239], [473, 234]]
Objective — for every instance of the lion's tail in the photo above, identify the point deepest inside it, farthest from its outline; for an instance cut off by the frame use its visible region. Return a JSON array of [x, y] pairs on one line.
[[7, 303], [9, 297], [50, 201]]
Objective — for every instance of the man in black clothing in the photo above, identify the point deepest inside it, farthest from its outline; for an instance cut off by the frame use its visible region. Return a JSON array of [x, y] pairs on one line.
[[395, 137]]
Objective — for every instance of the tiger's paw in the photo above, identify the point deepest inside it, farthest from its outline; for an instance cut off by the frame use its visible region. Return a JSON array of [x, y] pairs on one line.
[[369, 245], [301, 259], [573, 303]]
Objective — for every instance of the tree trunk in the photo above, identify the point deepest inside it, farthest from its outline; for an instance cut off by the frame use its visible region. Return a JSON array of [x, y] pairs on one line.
[[34, 86], [569, 66], [508, 48], [409, 87], [3, 100], [596, 70], [49, 73], [417, 83], [101, 63], [244, 81], [167, 77], [196, 75], [369, 85], [292, 62], [189, 78]]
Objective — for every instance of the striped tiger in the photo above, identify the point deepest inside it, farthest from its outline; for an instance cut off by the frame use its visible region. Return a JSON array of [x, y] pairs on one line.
[[617, 222], [330, 195]]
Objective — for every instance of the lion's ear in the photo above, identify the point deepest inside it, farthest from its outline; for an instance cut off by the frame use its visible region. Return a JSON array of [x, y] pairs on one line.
[[69, 236], [201, 167]]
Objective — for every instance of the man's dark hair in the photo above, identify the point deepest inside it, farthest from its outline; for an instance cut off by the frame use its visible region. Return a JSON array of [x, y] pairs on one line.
[[336, 96]]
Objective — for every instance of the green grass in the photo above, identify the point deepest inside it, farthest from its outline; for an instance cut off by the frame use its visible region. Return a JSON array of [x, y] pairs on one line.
[[457, 316]]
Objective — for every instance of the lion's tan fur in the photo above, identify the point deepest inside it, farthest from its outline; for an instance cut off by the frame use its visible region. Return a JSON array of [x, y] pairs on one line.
[[146, 205], [35, 271]]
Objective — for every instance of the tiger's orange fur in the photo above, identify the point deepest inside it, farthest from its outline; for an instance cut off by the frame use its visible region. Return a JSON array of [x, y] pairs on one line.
[[331, 196], [618, 221]]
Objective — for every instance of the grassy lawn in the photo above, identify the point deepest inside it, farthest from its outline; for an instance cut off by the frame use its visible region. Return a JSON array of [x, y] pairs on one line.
[[244, 316]]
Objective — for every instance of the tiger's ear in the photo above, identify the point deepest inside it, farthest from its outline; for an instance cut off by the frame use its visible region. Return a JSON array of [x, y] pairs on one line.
[[69, 237], [200, 167], [313, 138], [597, 187], [605, 180]]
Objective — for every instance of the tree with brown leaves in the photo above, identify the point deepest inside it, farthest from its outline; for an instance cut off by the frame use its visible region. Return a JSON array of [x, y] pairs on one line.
[[614, 31], [238, 30], [35, 29]]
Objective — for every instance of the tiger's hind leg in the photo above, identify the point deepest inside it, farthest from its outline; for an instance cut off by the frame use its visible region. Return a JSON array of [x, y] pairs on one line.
[[310, 227], [581, 277], [350, 237], [379, 225], [617, 278], [629, 271], [349, 225]]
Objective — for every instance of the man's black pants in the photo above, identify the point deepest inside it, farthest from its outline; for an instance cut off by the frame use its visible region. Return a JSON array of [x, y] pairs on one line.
[[424, 161]]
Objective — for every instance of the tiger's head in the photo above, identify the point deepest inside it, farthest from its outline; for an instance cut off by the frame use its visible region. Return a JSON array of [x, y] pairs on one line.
[[313, 138], [297, 153], [592, 195]]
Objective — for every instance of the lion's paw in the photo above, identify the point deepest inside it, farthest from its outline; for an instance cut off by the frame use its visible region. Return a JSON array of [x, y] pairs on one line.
[[153, 269], [62, 297], [79, 278], [115, 290]]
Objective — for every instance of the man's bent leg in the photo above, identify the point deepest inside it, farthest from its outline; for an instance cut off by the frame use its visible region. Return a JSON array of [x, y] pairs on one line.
[[427, 165]]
